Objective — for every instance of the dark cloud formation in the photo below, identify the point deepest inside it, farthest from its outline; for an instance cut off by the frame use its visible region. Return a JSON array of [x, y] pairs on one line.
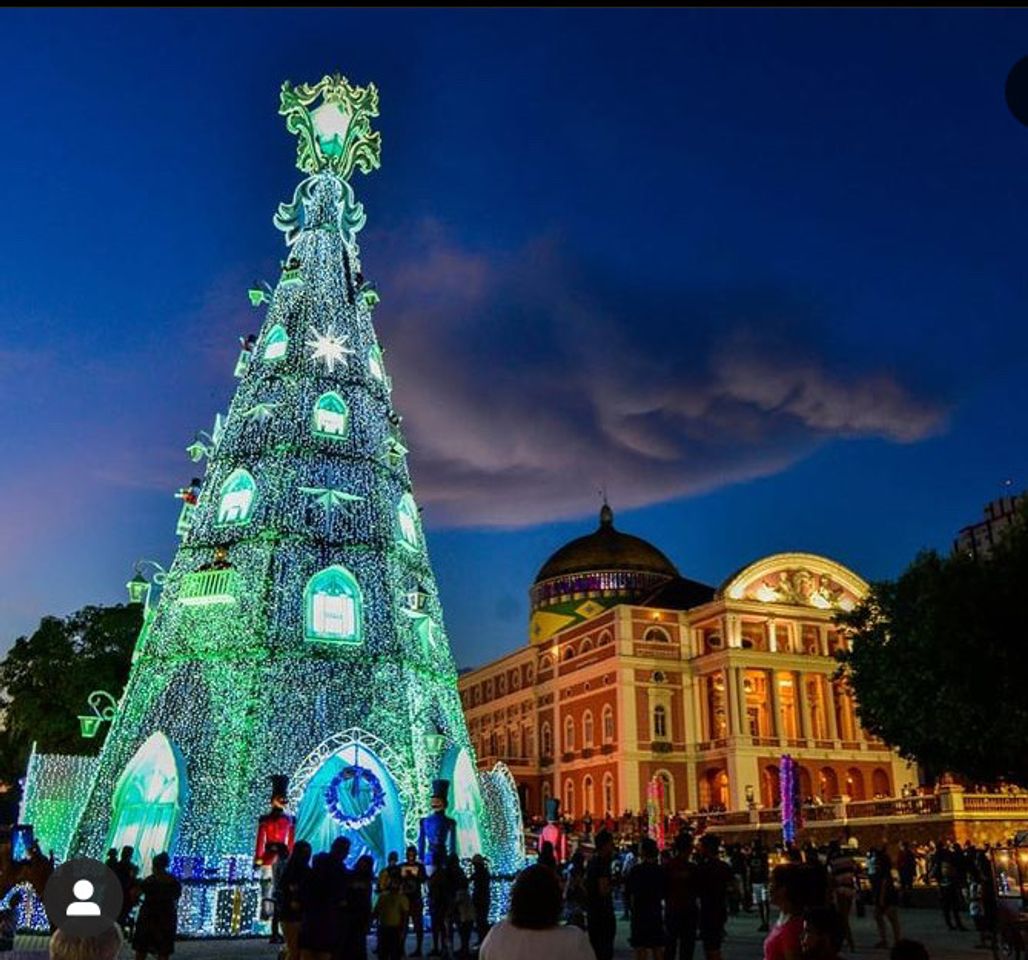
[[528, 381]]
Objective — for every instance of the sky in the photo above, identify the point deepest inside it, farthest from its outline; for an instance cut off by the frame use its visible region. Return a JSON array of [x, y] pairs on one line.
[[760, 275]]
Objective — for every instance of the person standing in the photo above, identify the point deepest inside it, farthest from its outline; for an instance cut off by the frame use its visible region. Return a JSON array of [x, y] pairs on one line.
[[481, 897], [290, 886], [842, 873], [714, 879], [358, 909], [278, 868], [822, 934], [126, 872], [575, 899], [906, 867], [682, 908], [789, 892], [412, 879], [390, 872], [885, 897], [440, 899], [646, 891], [757, 870], [321, 895], [158, 916], [602, 923], [391, 910]]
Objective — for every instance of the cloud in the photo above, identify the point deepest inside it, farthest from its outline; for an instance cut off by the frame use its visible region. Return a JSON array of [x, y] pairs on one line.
[[528, 381]]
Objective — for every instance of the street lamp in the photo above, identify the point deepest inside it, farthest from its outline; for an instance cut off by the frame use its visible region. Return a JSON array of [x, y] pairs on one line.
[[105, 707]]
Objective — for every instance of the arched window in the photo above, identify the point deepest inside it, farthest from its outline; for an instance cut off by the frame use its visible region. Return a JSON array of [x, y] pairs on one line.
[[544, 794], [501, 684], [276, 343], [668, 787], [569, 734], [605, 637], [237, 496], [587, 645], [333, 607], [659, 722], [587, 729], [545, 663], [331, 416], [515, 679], [569, 797], [588, 796], [409, 522], [375, 366], [656, 635], [608, 724], [515, 743], [608, 793], [546, 738], [569, 652]]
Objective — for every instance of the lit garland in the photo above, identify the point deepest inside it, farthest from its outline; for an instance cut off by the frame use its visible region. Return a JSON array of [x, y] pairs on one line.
[[792, 808], [224, 669], [354, 777]]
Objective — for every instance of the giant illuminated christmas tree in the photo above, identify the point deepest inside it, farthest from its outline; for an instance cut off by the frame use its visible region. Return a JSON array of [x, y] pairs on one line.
[[298, 632]]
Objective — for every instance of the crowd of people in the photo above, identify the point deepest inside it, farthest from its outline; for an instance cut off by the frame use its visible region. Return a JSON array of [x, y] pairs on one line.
[[675, 900], [804, 898], [326, 910]]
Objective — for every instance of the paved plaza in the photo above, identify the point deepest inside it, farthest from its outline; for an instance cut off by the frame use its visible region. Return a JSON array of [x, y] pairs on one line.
[[743, 943]]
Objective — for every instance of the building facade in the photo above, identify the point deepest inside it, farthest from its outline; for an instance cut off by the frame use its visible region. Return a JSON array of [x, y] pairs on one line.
[[634, 673], [978, 539]]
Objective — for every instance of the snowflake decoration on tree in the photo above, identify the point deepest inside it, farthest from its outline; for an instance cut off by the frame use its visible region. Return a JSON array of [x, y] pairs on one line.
[[330, 347]]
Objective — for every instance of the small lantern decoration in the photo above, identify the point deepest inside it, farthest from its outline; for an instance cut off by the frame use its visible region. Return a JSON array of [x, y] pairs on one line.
[[105, 708], [138, 589], [434, 739]]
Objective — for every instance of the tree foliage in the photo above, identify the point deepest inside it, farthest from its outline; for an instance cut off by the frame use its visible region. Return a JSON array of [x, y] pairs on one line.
[[46, 678], [938, 661]]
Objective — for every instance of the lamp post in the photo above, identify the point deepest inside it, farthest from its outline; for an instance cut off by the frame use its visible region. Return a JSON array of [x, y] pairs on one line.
[[105, 708], [139, 587]]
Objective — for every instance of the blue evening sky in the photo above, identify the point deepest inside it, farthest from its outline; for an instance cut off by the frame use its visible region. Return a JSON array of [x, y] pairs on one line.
[[759, 273]]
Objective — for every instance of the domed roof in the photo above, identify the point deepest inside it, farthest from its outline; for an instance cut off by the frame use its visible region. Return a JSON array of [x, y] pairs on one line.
[[606, 549]]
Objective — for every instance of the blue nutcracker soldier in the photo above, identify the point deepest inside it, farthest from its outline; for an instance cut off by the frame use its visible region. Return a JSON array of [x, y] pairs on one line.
[[437, 834]]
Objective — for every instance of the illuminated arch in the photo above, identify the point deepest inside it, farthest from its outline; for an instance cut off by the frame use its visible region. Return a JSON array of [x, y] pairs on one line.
[[236, 498], [148, 800], [409, 523], [276, 343], [330, 417], [333, 607]]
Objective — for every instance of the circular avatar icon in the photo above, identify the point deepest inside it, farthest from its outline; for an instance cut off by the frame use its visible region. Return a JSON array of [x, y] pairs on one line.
[[82, 898]]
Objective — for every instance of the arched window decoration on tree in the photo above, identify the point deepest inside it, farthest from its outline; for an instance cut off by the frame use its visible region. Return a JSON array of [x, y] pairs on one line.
[[375, 365], [409, 522], [276, 343], [331, 417], [237, 497], [333, 607]]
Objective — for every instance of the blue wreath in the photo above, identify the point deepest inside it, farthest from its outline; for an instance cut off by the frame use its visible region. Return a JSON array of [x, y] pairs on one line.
[[355, 777]]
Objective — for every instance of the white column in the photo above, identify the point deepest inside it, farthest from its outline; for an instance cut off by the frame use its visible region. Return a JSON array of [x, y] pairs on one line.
[[740, 691], [776, 710], [772, 639], [833, 724], [801, 691], [731, 684]]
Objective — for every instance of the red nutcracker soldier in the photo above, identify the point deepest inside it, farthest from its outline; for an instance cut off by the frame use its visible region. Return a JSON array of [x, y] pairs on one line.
[[553, 832], [273, 829]]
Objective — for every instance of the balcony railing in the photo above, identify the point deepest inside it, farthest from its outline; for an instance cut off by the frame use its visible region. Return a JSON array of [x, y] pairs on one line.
[[996, 803], [895, 807], [209, 586]]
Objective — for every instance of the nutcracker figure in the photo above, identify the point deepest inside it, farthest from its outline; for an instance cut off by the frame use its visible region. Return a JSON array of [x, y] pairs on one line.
[[275, 830], [437, 833], [553, 832]]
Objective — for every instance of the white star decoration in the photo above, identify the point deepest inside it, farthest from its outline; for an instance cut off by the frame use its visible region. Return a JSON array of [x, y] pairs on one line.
[[330, 347]]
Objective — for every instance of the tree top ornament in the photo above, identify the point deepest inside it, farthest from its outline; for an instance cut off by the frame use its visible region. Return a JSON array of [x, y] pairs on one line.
[[335, 135]]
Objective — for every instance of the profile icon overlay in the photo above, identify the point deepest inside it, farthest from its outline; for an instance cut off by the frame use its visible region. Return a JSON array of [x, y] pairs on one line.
[[82, 898]]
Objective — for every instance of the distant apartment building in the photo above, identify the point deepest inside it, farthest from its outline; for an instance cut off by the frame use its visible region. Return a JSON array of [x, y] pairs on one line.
[[978, 539]]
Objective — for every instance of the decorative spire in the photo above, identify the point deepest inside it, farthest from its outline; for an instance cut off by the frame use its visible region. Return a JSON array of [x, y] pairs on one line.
[[606, 515]]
